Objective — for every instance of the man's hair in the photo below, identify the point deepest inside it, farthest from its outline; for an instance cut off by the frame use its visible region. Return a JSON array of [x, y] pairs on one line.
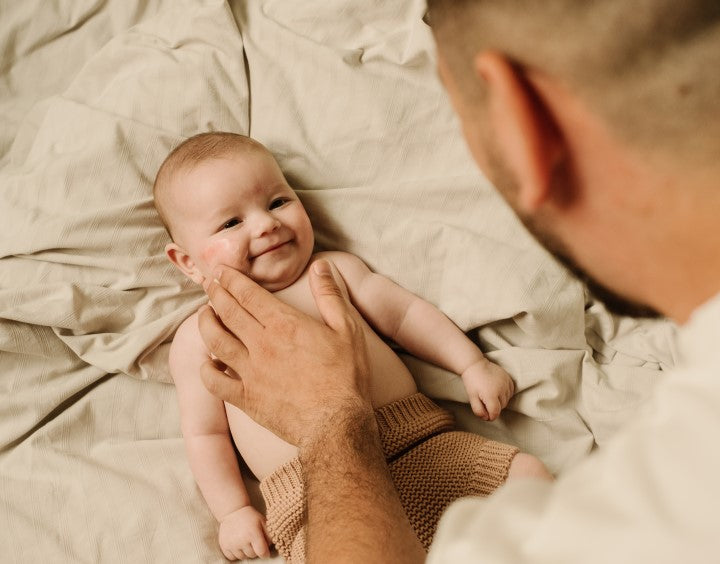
[[648, 67], [192, 151]]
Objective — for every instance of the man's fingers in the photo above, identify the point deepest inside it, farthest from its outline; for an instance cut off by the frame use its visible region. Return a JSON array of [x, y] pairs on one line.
[[329, 298], [220, 375], [235, 318], [219, 342], [254, 299], [221, 385]]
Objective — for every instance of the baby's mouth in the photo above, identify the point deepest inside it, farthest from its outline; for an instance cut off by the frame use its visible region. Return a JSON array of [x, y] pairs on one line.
[[270, 249]]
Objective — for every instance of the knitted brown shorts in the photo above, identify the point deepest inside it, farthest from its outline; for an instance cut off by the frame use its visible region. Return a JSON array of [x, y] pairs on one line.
[[431, 466]]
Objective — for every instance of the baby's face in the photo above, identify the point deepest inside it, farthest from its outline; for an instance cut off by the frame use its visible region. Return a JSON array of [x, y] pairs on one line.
[[239, 211]]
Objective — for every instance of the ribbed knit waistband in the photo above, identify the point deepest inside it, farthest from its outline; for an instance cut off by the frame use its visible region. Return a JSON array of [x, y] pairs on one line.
[[284, 486], [405, 422], [402, 423]]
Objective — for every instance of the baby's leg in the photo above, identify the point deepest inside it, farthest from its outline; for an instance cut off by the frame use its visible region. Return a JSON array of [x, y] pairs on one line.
[[527, 466]]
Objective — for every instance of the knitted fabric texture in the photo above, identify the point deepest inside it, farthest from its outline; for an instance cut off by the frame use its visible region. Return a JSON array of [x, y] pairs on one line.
[[431, 466]]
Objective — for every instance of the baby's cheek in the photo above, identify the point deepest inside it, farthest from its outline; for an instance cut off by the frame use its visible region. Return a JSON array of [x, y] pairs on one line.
[[218, 252]]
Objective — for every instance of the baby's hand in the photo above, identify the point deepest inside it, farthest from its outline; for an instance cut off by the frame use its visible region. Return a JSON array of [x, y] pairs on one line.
[[242, 534], [488, 387]]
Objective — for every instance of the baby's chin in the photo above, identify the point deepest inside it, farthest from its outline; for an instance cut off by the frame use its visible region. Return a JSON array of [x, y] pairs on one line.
[[275, 285], [272, 276], [276, 275]]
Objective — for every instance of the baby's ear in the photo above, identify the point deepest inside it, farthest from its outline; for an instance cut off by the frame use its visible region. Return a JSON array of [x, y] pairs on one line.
[[184, 262]]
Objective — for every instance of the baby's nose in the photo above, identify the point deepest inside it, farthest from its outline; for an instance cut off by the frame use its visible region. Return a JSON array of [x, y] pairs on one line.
[[265, 223]]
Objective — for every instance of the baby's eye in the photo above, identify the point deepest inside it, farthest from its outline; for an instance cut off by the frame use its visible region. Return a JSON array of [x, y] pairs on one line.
[[232, 223], [278, 202]]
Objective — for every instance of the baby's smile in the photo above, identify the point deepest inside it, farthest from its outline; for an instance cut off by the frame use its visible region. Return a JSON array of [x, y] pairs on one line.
[[271, 249]]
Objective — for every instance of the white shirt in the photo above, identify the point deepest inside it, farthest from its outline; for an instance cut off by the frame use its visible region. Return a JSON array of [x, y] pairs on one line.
[[652, 494]]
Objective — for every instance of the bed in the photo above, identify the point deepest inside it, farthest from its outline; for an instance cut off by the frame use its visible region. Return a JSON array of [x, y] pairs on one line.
[[93, 94]]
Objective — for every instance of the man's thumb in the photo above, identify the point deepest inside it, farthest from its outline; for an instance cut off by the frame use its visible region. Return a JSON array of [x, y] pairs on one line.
[[222, 386], [329, 298]]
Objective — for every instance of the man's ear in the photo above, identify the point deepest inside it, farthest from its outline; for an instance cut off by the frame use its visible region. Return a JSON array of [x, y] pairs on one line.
[[522, 127], [184, 262]]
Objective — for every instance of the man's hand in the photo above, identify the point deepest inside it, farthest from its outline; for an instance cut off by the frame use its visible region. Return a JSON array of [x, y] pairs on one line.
[[489, 388], [308, 382], [242, 534], [290, 372]]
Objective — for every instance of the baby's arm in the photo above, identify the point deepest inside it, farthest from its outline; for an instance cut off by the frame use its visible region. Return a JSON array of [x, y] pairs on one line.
[[426, 332], [210, 451]]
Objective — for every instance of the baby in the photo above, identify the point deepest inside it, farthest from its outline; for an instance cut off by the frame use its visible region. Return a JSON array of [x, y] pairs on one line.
[[225, 201]]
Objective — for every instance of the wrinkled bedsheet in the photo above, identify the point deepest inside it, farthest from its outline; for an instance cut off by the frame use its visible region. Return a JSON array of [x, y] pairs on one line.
[[93, 94]]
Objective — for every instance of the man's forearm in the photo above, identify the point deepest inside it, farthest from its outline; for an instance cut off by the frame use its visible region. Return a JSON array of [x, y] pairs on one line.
[[354, 513]]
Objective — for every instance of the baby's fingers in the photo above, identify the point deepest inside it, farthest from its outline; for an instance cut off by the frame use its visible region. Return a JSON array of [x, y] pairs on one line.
[[493, 407], [506, 400], [260, 546], [478, 407], [229, 554], [249, 551], [509, 390]]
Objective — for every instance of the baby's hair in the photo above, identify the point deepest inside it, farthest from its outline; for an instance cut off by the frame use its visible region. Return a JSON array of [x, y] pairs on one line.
[[192, 151]]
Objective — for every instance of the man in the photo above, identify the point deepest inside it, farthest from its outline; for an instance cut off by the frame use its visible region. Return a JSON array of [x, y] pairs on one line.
[[598, 122]]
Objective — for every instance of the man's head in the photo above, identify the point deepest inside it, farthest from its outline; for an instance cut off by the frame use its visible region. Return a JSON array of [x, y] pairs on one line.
[[224, 200], [585, 115]]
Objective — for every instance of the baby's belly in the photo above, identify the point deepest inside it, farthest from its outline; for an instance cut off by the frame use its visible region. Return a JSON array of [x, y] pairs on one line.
[[390, 379], [263, 451]]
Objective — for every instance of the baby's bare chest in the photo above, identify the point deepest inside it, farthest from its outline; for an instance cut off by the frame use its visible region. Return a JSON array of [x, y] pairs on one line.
[[299, 296], [390, 379]]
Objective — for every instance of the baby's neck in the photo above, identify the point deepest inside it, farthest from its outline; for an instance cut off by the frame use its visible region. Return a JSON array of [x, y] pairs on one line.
[[282, 285]]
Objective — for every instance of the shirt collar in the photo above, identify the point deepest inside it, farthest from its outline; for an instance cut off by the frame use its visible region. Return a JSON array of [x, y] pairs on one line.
[[699, 338]]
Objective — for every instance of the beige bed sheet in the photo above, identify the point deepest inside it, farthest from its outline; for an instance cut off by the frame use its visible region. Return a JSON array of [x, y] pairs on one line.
[[92, 96]]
